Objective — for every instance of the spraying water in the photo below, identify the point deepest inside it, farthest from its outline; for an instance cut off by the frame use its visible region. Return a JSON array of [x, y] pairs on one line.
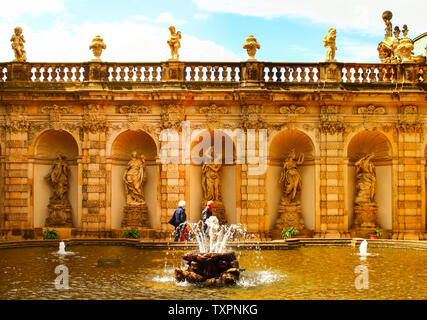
[[363, 249], [216, 236], [62, 248]]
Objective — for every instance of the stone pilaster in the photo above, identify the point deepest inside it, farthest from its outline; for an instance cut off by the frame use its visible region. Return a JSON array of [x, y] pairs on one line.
[[94, 175], [332, 222], [17, 184], [408, 219]]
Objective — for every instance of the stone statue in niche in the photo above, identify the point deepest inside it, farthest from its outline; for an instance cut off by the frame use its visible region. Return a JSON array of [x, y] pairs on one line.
[[174, 43], [290, 210], [365, 209], [58, 179], [59, 208], [290, 176], [134, 177], [18, 45], [329, 43], [211, 180], [366, 180], [211, 186]]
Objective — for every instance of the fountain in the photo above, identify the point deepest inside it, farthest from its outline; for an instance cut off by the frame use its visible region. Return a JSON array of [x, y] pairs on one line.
[[363, 249], [211, 265], [62, 248]]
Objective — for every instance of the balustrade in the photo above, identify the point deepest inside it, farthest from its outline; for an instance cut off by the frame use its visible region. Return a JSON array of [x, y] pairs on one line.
[[291, 72], [215, 72], [369, 73], [58, 72], [134, 72], [212, 72], [3, 72]]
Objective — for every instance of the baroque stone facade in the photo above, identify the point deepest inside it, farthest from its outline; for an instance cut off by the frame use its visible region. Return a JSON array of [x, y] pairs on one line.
[[97, 113]]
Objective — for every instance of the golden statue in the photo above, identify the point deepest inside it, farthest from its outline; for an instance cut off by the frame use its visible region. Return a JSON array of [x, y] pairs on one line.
[[174, 43], [58, 179], [97, 46], [211, 180], [365, 180], [251, 46], [329, 43], [134, 178], [18, 45], [290, 176]]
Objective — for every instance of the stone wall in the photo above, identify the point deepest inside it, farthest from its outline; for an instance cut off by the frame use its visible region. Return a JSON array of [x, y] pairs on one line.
[[328, 114]]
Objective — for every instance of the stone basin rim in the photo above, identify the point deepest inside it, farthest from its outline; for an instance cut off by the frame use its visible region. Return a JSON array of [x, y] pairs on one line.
[[244, 245]]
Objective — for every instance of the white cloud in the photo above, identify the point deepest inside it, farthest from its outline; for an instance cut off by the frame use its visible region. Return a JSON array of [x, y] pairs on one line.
[[13, 9], [201, 16], [359, 15], [126, 41], [164, 17]]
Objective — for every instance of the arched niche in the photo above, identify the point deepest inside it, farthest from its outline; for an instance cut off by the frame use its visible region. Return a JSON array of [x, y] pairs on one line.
[[226, 153], [121, 151], [361, 144], [47, 146], [280, 147]]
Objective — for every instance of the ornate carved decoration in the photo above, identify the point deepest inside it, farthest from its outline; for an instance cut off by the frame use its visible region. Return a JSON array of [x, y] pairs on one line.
[[16, 123], [406, 126], [133, 108], [330, 123], [409, 109], [56, 109], [213, 113], [292, 109], [94, 123], [371, 109], [172, 116], [251, 46], [252, 117]]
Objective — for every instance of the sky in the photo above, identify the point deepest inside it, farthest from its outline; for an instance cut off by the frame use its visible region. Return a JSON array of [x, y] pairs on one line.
[[212, 30]]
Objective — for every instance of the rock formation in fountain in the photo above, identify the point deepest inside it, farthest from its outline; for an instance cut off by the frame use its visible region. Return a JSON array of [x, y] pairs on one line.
[[209, 269], [211, 266]]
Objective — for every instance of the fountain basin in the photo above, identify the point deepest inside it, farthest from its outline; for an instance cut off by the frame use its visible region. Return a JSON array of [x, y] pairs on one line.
[[209, 269]]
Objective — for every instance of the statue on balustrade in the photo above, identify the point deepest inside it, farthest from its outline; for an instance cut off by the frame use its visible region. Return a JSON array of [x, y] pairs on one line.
[[365, 180], [329, 43], [58, 179], [134, 178], [59, 208], [290, 176], [18, 45], [174, 43]]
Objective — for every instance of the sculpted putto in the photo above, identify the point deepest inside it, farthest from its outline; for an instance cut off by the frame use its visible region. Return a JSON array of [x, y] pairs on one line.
[[18, 45], [58, 179], [174, 43], [134, 178], [365, 180], [329, 43], [290, 176]]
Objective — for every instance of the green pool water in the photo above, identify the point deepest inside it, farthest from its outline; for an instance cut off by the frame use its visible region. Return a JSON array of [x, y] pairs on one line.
[[304, 273]]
